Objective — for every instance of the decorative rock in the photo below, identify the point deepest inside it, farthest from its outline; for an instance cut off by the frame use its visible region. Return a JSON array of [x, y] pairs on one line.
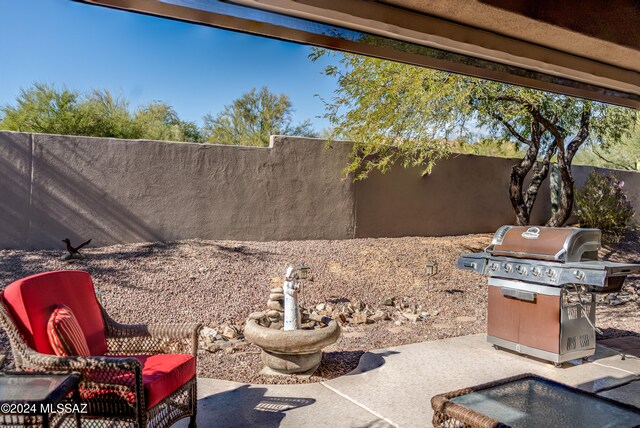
[[277, 290], [319, 318], [411, 317], [388, 301], [413, 309], [341, 318], [276, 296], [276, 306], [321, 306], [257, 315], [277, 325], [273, 314], [230, 331], [274, 319], [208, 334], [265, 322], [359, 318], [213, 348], [424, 314], [380, 315], [398, 322], [241, 345]]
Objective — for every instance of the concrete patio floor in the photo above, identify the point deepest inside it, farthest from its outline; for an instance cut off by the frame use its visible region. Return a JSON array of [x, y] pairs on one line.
[[392, 387]]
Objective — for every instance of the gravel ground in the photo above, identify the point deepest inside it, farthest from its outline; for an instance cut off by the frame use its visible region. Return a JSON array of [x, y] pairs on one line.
[[221, 282]]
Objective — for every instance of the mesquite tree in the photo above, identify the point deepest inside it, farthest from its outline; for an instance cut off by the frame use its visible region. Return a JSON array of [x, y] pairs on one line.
[[399, 113]]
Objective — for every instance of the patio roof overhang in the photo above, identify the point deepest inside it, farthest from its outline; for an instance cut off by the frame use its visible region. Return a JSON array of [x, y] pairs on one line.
[[583, 48]]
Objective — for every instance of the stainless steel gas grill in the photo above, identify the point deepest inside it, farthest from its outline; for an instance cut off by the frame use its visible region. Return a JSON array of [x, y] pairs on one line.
[[542, 285]]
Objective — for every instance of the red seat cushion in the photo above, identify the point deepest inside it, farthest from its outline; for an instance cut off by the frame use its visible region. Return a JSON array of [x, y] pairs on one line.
[[65, 334], [162, 375], [32, 300]]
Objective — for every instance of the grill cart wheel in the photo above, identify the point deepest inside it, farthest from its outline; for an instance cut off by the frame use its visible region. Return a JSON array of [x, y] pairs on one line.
[[557, 365]]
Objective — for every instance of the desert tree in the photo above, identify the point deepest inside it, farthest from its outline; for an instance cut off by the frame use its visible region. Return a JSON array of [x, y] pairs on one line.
[[397, 113], [252, 118]]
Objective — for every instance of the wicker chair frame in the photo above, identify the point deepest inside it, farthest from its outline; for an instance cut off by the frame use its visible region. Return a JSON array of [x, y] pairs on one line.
[[112, 386]]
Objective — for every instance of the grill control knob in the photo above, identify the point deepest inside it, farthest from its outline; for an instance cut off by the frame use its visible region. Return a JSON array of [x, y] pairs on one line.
[[535, 271], [551, 273], [521, 269], [494, 267], [507, 267], [578, 274]]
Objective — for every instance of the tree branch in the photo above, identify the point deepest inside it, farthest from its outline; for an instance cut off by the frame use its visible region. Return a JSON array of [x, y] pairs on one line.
[[511, 129], [540, 173], [581, 136], [549, 126], [625, 167]]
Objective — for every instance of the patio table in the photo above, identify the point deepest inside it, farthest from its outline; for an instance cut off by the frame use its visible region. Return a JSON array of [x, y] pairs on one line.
[[526, 401], [30, 399]]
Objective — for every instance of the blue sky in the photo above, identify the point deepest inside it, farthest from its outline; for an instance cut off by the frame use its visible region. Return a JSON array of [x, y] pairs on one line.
[[195, 69]]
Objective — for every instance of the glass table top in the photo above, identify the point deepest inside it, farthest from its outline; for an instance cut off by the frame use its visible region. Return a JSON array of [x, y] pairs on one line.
[[29, 387], [533, 403]]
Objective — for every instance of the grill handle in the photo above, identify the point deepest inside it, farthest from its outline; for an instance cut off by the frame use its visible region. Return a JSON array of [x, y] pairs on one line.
[[527, 296]]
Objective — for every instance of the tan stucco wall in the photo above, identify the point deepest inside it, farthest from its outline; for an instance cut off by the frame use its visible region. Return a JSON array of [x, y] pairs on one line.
[[463, 194], [119, 191]]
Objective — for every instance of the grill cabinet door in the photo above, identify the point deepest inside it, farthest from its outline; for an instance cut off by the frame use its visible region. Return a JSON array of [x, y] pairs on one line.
[[540, 323], [503, 317], [534, 324]]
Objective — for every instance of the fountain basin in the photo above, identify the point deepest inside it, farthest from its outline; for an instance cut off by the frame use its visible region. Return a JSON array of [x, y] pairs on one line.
[[288, 352]]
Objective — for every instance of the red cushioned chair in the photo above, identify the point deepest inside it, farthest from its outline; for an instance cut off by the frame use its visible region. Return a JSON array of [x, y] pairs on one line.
[[140, 375]]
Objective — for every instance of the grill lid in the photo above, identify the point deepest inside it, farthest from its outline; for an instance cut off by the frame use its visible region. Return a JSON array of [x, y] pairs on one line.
[[559, 244]]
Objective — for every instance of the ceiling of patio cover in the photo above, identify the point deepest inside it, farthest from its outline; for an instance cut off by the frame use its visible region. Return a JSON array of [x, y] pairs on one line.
[[585, 48]]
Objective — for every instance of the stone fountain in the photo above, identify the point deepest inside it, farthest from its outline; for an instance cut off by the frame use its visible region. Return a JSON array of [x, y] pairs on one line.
[[290, 346]]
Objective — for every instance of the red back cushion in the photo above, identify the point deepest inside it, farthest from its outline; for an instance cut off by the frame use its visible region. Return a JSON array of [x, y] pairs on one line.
[[32, 300], [65, 334]]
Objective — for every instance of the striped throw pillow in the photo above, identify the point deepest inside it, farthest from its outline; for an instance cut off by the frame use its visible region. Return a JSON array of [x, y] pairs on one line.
[[65, 334]]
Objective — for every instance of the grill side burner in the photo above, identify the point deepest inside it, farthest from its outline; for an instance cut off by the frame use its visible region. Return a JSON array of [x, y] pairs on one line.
[[542, 284]]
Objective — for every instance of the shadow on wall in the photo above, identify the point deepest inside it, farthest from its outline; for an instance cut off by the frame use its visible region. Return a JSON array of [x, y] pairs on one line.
[[15, 176], [65, 200], [124, 191], [47, 201]]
